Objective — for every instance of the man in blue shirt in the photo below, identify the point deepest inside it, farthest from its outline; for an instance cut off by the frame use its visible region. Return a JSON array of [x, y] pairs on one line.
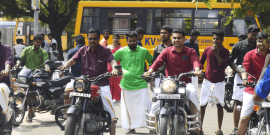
[[76, 68], [191, 42]]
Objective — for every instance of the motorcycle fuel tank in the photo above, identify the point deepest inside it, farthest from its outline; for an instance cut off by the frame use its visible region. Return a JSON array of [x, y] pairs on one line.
[[95, 91], [25, 72]]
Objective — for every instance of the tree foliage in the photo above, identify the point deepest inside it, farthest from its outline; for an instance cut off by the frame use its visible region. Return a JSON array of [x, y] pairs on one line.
[[57, 14]]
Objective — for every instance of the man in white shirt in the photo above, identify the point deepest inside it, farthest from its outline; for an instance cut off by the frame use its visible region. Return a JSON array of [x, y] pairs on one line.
[[47, 44], [54, 53], [19, 48], [51, 37]]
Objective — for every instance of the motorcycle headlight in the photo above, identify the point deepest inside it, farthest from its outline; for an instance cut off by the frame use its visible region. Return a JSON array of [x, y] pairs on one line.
[[79, 85], [168, 86], [21, 80], [229, 71]]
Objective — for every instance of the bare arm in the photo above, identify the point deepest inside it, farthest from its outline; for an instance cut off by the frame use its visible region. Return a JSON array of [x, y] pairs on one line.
[[114, 71], [69, 63], [231, 64], [7, 69]]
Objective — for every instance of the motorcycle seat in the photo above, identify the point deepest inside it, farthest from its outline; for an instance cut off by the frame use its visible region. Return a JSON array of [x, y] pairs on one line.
[[60, 82], [56, 90]]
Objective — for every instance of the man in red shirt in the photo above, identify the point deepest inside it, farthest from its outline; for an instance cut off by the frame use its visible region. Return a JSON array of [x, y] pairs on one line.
[[106, 35], [213, 86], [179, 59], [253, 63]]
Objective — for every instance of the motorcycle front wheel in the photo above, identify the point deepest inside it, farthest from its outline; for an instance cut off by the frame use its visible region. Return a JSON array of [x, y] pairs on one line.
[[72, 125], [165, 125], [19, 109]]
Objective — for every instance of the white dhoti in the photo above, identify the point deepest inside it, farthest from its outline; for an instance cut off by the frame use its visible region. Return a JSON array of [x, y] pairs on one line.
[[133, 104], [155, 105], [212, 93], [238, 90], [106, 97], [247, 107]]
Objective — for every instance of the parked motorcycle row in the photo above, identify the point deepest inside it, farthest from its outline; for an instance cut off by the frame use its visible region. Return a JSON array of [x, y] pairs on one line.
[[85, 114]]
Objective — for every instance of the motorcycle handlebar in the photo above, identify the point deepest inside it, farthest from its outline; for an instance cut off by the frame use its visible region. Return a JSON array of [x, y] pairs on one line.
[[251, 84]]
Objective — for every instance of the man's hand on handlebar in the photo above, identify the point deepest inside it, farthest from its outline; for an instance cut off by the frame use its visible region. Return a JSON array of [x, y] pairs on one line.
[[4, 73], [114, 72], [197, 72], [245, 83], [149, 72]]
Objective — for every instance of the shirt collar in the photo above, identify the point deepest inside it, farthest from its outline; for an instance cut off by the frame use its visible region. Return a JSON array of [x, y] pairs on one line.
[[187, 41], [162, 44], [137, 49], [183, 50], [268, 52], [33, 48], [139, 41], [79, 46], [96, 50]]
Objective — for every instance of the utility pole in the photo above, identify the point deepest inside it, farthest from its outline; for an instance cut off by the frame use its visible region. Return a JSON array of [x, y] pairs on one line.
[[36, 17]]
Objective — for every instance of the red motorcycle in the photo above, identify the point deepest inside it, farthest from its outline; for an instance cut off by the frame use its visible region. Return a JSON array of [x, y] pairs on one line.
[[85, 113]]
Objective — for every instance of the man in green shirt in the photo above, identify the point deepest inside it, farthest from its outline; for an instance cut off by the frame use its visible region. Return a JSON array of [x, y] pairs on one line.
[[134, 95], [35, 56]]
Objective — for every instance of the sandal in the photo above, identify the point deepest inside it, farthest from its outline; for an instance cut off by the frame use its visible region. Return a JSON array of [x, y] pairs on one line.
[[219, 132], [29, 119], [234, 132], [32, 115], [200, 132]]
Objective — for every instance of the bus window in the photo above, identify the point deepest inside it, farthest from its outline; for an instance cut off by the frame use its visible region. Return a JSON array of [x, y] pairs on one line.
[[90, 19], [149, 21], [239, 27], [122, 21], [176, 18], [206, 21]]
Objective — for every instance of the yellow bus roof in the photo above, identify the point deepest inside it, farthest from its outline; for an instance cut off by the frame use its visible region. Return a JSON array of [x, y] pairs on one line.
[[151, 4]]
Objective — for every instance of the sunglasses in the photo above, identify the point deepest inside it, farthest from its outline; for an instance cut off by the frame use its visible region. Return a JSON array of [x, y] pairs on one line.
[[92, 39]]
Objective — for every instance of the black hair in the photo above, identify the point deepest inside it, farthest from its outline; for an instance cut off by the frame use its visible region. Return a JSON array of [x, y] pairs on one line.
[[42, 35], [116, 35], [195, 33], [105, 31], [0, 33], [30, 41], [53, 44], [38, 37], [18, 41], [167, 27], [242, 36], [131, 34], [181, 31], [80, 39], [261, 35], [219, 33], [51, 34], [253, 28], [140, 30], [93, 30], [42, 44]]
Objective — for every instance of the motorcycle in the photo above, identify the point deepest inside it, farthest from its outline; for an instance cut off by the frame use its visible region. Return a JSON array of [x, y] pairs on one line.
[[229, 102], [7, 117], [174, 116], [258, 123], [36, 90], [85, 114]]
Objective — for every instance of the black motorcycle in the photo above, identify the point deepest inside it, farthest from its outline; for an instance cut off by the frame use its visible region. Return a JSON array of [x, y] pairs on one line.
[[174, 116], [36, 90], [229, 102], [86, 114]]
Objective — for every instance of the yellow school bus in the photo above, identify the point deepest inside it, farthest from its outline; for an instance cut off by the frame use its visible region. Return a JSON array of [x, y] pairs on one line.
[[122, 16], [25, 29]]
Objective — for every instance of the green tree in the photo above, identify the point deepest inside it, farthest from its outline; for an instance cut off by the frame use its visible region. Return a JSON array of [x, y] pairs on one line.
[[57, 14], [247, 8]]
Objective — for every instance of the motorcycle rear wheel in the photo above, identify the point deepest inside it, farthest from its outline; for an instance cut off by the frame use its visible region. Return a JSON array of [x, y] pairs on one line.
[[229, 102], [71, 125], [19, 109]]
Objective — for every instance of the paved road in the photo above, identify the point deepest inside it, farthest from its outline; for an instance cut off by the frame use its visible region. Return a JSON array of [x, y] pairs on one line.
[[43, 124]]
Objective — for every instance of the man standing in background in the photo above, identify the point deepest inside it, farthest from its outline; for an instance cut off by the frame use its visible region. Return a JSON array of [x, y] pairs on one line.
[[104, 40], [141, 33]]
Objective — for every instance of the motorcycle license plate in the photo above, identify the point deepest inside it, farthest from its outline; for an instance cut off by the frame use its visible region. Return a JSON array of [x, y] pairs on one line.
[[76, 94], [266, 104], [21, 85], [168, 96]]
